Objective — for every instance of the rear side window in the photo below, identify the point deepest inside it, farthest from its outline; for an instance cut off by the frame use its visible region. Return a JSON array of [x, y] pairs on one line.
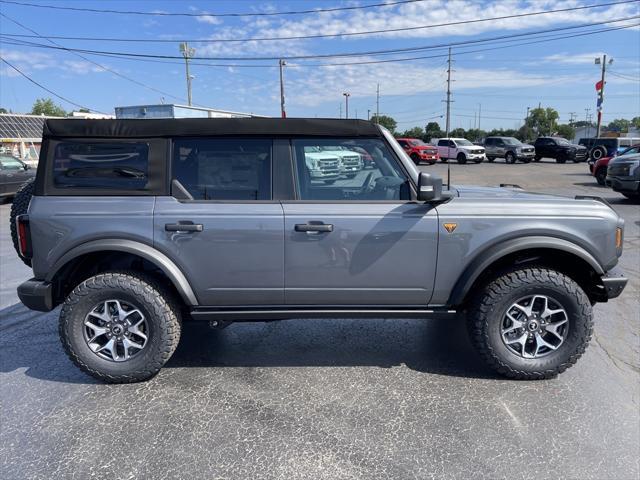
[[101, 165], [224, 168]]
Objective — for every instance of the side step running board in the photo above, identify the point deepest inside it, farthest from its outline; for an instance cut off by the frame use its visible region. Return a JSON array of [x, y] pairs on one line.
[[206, 314]]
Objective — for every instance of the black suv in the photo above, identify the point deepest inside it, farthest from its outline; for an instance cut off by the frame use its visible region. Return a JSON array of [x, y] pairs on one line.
[[560, 149]]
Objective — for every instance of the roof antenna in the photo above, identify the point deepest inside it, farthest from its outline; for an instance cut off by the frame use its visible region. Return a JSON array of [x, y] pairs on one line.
[[448, 118]]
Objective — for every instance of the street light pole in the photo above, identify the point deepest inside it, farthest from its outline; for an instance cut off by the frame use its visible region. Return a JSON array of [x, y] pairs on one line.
[[283, 112], [346, 104]]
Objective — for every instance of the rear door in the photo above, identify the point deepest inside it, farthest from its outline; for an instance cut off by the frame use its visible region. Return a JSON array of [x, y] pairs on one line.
[[359, 241], [221, 224]]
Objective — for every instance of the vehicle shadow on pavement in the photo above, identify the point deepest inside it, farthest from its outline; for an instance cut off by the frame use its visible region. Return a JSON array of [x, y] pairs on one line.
[[29, 341], [432, 346]]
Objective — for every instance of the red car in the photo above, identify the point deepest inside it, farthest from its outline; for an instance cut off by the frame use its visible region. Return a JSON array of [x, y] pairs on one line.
[[419, 151], [599, 168]]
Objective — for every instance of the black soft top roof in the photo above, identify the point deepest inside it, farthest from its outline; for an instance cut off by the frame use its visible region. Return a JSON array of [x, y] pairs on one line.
[[330, 127]]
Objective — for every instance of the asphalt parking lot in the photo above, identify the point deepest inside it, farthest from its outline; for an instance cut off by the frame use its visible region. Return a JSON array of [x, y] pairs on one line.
[[330, 399]]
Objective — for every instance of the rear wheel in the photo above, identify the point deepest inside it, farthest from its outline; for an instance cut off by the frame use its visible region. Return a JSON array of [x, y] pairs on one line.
[[20, 206], [561, 160], [491, 159], [601, 175], [461, 158], [120, 327], [510, 157], [531, 323]]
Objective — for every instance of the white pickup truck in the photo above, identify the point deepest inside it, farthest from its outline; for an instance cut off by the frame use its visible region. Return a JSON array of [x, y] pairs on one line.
[[459, 148]]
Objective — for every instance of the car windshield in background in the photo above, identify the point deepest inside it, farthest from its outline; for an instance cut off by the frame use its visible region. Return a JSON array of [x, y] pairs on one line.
[[10, 163], [463, 141], [562, 141], [416, 143], [512, 141]]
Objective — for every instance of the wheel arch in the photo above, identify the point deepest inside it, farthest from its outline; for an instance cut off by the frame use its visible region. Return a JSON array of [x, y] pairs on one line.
[[108, 254], [556, 253]]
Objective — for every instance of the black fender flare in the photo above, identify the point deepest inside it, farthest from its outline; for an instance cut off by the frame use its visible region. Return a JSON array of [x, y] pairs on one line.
[[164, 263], [494, 253]]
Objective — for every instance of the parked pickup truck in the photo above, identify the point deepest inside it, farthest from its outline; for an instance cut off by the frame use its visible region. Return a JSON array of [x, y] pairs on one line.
[[134, 227], [559, 149], [350, 161], [460, 149], [419, 151], [509, 148]]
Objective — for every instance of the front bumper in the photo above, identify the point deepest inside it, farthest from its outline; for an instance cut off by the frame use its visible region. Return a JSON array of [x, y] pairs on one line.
[[614, 282], [36, 295], [526, 155], [623, 184]]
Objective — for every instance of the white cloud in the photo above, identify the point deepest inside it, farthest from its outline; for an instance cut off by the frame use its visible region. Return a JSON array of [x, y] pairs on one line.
[[209, 19], [572, 59], [29, 62], [80, 67]]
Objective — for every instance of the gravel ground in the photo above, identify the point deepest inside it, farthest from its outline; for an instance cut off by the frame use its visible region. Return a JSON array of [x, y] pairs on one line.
[[329, 398]]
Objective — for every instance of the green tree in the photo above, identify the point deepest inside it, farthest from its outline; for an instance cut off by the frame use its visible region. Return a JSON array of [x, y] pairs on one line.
[[458, 133], [432, 130], [475, 134], [415, 132], [543, 120], [635, 121], [619, 125], [3, 110], [45, 106], [386, 121], [583, 123], [566, 131]]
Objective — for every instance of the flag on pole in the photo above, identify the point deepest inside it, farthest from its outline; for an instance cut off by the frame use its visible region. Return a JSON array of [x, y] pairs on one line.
[[599, 85]]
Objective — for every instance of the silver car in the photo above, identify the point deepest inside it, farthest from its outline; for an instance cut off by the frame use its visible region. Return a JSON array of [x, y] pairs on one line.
[[509, 148]]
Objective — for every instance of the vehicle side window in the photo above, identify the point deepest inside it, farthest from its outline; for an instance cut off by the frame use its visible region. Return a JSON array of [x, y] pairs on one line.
[[488, 142], [9, 163], [403, 143], [452, 144], [348, 169], [223, 168], [103, 165], [443, 143]]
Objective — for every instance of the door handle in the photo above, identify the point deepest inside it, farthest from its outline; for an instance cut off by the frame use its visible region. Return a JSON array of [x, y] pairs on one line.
[[183, 227], [314, 227]]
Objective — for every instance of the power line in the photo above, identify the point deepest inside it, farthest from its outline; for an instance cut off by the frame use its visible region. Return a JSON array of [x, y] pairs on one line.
[[194, 14], [626, 77], [347, 54], [48, 90], [343, 34], [103, 67]]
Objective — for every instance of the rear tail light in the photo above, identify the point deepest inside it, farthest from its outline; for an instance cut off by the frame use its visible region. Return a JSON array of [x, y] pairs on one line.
[[24, 235]]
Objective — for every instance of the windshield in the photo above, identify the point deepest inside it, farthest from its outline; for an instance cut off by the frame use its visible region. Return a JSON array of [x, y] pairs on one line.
[[562, 141], [416, 143], [512, 141], [463, 141]]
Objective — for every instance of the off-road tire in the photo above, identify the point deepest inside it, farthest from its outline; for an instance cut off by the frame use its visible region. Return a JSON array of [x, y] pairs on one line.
[[510, 158], [490, 159], [461, 158], [20, 206], [416, 158], [487, 309], [157, 304], [601, 175], [598, 152]]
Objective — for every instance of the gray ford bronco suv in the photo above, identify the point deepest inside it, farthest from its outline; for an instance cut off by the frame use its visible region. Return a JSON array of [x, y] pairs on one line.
[[135, 226]]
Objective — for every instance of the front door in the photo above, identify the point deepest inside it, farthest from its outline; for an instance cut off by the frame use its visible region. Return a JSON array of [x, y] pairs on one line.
[[358, 241], [221, 226]]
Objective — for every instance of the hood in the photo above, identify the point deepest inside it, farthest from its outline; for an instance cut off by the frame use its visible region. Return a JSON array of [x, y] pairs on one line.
[[471, 191]]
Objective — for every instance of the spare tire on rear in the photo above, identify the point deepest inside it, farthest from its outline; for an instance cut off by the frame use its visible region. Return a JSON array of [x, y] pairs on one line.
[[20, 206]]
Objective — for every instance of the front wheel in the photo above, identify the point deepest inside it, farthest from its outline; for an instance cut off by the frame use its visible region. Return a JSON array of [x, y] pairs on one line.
[[461, 158], [490, 159], [531, 323], [510, 158], [601, 175], [415, 158], [120, 327]]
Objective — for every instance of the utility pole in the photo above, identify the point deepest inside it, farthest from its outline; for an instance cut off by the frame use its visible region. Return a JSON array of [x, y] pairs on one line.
[[587, 119], [346, 103], [283, 112], [448, 121], [378, 103], [572, 117], [479, 115], [600, 90], [368, 114], [187, 53]]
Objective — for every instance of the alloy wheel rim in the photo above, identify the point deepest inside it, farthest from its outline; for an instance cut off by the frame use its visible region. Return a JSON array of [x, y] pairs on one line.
[[534, 326], [116, 330]]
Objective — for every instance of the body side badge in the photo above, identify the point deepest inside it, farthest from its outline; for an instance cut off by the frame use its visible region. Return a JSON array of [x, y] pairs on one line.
[[450, 227]]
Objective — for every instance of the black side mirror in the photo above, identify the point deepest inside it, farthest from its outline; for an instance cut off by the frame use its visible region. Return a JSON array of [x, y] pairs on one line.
[[429, 187]]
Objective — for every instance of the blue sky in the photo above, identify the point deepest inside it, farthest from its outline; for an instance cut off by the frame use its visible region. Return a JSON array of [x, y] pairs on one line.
[[559, 74]]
